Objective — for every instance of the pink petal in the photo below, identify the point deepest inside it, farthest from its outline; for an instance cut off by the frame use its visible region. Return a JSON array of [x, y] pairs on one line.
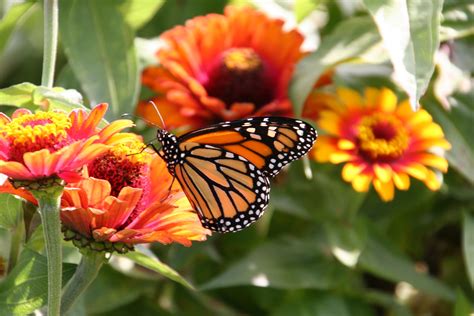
[[15, 170]]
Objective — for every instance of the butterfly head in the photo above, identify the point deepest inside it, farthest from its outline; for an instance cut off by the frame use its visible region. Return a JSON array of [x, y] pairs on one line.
[[170, 147]]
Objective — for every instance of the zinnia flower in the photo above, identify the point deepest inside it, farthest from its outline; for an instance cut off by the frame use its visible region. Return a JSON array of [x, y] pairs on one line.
[[43, 145], [380, 142], [222, 67], [128, 198]]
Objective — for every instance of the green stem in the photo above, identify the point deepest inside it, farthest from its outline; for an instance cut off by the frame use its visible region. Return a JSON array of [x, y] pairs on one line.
[[50, 42], [15, 244], [49, 200], [86, 272]]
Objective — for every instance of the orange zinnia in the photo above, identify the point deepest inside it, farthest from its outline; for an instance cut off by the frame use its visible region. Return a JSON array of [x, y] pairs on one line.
[[222, 67], [47, 144], [380, 141], [128, 198]]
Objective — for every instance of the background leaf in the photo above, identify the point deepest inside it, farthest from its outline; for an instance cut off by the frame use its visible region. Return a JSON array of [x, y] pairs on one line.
[[10, 21], [468, 245], [150, 261], [19, 95], [25, 289], [349, 40], [10, 210], [139, 12], [107, 69], [410, 32]]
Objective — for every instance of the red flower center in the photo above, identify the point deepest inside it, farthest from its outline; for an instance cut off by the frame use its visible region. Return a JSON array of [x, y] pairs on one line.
[[240, 75], [381, 138]]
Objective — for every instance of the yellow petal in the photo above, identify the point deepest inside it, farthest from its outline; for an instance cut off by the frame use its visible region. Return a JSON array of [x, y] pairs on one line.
[[420, 117], [383, 172], [330, 122], [385, 189], [351, 170], [432, 181], [433, 161], [431, 130], [345, 144], [416, 170], [371, 96], [387, 100], [339, 156], [401, 180], [350, 98], [361, 182]]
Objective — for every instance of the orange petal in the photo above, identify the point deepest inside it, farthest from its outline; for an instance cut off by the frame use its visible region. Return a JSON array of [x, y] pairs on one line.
[[371, 97], [384, 189], [88, 154], [38, 163], [432, 160], [345, 144], [96, 190], [350, 98], [330, 122], [15, 170], [340, 156], [113, 128]]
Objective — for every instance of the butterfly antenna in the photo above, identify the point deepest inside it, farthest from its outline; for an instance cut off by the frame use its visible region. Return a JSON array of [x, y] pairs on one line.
[[139, 118], [159, 114]]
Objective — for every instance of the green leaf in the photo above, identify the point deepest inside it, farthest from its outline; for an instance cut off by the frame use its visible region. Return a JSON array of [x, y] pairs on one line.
[[349, 40], [410, 32], [302, 8], [322, 304], [457, 126], [378, 259], [102, 54], [139, 12], [458, 19], [10, 21], [468, 244], [25, 289], [462, 307], [111, 289], [57, 98], [19, 95], [283, 264], [150, 261], [10, 210]]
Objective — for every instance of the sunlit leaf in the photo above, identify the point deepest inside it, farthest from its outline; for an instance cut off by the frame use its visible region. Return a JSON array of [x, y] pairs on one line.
[[148, 260], [10, 210], [18, 95], [410, 32], [302, 8], [139, 12], [102, 54], [57, 99], [26, 288], [348, 41], [468, 244]]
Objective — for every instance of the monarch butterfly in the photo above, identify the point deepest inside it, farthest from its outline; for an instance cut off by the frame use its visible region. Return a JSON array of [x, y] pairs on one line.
[[225, 169]]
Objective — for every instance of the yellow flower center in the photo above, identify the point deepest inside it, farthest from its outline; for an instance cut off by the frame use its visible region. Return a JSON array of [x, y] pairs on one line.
[[124, 165], [32, 132], [242, 59], [240, 75], [382, 137]]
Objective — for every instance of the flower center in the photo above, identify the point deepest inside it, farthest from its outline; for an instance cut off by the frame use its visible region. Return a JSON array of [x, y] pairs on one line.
[[32, 132], [240, 76], [123, 165], [382, 138]]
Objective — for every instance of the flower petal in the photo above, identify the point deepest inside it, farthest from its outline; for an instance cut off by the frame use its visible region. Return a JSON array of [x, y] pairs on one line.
[[384, 189]]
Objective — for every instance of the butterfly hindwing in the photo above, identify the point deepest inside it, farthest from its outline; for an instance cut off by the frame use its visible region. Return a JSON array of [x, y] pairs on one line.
[[228, 191], [269, 143]]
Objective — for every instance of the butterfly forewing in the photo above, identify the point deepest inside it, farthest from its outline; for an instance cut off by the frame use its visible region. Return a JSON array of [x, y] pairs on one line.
[[269, 143], [228, 191]]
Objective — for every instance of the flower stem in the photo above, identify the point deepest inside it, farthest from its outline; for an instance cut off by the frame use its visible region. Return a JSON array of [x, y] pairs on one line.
[[50, 42], [49, 203], [86, 272]]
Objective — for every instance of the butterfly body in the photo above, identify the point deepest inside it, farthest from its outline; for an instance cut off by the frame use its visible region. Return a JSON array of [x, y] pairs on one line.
[[225, 169]]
